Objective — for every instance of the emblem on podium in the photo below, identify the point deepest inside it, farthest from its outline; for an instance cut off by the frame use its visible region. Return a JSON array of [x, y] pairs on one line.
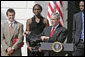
[[57, 47]]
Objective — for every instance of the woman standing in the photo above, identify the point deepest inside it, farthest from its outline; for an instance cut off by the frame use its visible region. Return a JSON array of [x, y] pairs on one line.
[[35, 25]]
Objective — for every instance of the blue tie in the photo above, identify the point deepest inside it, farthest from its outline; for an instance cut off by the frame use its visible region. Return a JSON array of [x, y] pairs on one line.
[[82, 34]]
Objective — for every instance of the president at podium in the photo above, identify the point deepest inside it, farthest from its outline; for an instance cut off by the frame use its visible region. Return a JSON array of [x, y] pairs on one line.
[[54, 33]]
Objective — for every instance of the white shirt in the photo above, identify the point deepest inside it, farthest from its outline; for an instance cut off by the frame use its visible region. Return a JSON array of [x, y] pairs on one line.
[[9, 23], [55, 27]]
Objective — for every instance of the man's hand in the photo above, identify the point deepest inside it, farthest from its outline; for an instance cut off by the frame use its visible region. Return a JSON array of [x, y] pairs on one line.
[[26, 32], [10, 50], [40, 50], [44, 38], [30, 48]]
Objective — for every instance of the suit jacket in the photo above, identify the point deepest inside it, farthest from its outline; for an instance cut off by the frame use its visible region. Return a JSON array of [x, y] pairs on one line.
[[58, 35], [77, 27], [7, 39]]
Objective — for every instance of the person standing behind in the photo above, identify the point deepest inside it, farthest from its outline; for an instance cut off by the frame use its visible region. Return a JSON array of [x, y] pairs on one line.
[[78, 31], [35, 25], [10, 32]]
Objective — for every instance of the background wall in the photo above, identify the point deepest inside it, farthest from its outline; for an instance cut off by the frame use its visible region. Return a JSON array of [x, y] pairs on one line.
[[23, 11]]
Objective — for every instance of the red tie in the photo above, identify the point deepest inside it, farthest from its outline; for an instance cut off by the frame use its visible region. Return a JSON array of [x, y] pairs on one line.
[[52, 32]]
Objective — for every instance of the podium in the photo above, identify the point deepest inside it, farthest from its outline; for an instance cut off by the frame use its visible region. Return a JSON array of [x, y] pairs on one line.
[[51, 47]]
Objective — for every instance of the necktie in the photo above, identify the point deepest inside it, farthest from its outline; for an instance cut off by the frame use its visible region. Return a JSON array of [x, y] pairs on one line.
[[52, 32], [11, 29], [82, 34]]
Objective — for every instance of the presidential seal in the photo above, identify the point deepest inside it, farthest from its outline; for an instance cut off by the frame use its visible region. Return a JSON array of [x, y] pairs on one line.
[[57, 47]]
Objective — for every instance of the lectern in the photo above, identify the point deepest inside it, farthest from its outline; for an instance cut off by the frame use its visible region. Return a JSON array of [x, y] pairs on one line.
[[56, 46]]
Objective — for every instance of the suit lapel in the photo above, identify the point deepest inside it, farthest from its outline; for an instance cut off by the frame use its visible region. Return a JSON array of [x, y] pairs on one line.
[[80, 19], [7, 29]]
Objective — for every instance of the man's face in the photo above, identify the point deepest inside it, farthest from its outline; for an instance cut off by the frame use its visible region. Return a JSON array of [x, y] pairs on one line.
[[11, 16], [81, 5], [54, 21], [37, 10]]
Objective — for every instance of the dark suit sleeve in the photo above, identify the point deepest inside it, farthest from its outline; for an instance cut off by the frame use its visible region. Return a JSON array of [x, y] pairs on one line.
[[43, 33]]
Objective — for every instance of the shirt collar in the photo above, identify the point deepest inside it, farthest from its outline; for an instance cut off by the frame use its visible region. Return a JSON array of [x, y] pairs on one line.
[[11, 22], [56, 26]]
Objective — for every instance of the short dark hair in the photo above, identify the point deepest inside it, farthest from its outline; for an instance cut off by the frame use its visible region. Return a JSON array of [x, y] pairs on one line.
[[10, 10], [37, 5]]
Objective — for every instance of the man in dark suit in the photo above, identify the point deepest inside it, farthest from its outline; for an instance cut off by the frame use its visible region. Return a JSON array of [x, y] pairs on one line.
[[78, 31], [54, 33]]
